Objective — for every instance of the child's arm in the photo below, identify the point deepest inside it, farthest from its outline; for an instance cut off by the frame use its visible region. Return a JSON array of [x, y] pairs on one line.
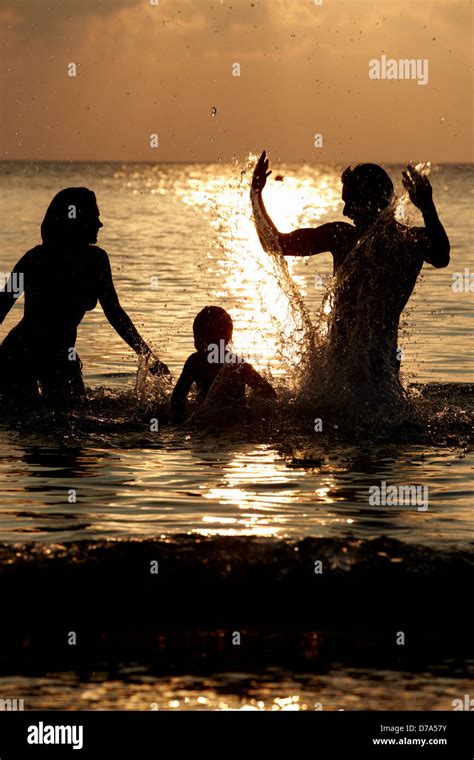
[[182, 388], [254, 380]]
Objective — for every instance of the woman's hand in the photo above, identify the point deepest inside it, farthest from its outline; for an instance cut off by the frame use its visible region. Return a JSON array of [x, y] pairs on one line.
[[158, 369], [418, 187], [260, 173]]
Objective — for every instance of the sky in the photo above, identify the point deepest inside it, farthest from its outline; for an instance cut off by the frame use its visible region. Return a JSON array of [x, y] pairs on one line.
[[144, 70]]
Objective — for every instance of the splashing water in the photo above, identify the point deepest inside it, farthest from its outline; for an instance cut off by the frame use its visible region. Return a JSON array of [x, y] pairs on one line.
[[402, 207], [299, 327], [247, 274], [341, 367], [349, 370], [267, 303], [338, 365], [283, 315]]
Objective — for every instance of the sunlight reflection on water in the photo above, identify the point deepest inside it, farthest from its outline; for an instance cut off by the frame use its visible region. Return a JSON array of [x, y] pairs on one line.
[[190, 226], [276, 690]]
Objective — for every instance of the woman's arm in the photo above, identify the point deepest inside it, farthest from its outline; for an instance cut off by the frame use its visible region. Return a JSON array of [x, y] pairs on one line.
[[117, 316], [7, 299]]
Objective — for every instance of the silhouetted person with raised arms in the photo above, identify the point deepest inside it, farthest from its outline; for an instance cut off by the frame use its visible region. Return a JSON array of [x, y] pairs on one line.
[[62, 278], [376, 259]]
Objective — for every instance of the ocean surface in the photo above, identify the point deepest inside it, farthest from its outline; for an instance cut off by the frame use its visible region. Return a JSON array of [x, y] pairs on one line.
[[181, 237]]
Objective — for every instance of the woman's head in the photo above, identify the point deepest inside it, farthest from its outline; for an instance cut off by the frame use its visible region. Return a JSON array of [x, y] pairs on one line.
[[72, 217], [366, 190], [210, 326]]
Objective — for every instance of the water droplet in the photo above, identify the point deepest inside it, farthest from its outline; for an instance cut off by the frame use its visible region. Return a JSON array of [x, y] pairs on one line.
[[214, 111]]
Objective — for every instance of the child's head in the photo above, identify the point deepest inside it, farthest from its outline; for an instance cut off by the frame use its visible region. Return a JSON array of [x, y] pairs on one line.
[[210, 326]]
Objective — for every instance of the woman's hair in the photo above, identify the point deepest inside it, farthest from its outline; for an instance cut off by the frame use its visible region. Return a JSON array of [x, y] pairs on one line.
[[211, 325], [369, 181], [69, 216]]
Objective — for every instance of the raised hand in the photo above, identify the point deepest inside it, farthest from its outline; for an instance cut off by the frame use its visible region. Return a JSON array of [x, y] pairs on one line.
[[418, 187], [260, 173]]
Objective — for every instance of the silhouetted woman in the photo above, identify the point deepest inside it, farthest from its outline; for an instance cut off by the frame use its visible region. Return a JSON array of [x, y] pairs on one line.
[[61, 279]]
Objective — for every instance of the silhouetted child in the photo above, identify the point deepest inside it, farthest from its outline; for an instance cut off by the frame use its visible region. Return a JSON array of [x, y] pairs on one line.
[[220, 376]]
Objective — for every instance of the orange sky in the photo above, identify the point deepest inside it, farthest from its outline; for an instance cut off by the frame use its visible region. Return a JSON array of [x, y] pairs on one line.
[[146, 69]]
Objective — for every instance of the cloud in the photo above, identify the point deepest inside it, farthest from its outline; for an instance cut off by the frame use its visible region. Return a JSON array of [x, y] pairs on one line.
[[304, 68], [40, 16]]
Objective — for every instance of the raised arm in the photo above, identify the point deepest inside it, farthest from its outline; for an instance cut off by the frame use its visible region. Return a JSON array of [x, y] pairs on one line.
[[182, 388], [434, 241], [303, 242], [118, 317]]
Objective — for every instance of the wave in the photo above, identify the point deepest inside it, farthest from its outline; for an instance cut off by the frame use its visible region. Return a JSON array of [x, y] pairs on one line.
[[346, 592]]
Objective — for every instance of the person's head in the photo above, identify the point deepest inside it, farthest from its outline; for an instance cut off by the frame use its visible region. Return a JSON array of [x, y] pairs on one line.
[[210, 326], [366, 191], [72, 218]]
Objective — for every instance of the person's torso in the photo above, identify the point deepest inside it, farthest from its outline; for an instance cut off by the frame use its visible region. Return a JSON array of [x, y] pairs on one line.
[[207, 371], [60, 285], [374, 282]]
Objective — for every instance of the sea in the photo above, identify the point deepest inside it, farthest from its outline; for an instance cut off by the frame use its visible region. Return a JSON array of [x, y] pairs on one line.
[[114, 474]]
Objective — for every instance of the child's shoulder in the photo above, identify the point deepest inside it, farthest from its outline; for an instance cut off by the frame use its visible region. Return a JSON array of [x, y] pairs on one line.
[[195, 359]]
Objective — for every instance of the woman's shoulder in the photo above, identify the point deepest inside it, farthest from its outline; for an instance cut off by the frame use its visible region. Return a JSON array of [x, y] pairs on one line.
[[100, 253], [35, 251], [29, 258], [100, 258]]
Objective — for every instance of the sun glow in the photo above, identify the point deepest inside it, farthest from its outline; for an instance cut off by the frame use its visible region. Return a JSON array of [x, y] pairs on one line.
[[267, 321]]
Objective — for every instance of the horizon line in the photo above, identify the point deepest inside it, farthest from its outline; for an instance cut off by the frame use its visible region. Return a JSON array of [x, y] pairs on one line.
[[223, 163]]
